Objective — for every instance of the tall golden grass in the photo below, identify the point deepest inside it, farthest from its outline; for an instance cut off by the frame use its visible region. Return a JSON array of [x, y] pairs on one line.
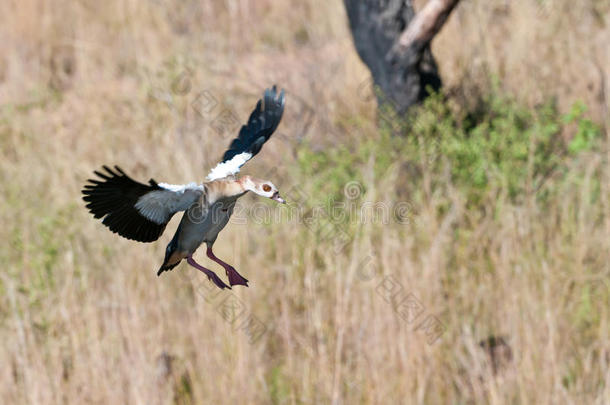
[[84, 318]]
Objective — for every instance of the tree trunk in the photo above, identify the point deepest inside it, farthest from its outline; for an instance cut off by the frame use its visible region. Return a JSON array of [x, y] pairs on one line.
[[394, 43]]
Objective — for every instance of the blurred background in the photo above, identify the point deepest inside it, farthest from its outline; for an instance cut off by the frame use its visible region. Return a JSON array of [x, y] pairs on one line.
[[458, 253]]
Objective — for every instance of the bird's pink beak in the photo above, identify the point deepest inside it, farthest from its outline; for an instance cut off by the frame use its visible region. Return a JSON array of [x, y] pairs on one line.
[[276, 197]]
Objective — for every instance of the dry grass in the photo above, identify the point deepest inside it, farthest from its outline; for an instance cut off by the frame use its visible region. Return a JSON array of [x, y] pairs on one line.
[[534, 48], [84, 318]]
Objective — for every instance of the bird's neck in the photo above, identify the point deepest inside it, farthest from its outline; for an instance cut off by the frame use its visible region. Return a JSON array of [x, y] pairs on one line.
[[247, 184], [221, 189]]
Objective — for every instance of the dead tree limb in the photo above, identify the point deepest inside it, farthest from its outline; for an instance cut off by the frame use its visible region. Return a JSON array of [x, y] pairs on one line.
[[394, 43]]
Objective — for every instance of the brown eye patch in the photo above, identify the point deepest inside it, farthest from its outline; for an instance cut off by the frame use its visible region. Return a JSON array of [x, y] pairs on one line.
[[266, 187]]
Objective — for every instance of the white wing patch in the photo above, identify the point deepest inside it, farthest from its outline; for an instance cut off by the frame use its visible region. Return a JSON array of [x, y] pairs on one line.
[[159, 205], [229, 167], [181, 188]]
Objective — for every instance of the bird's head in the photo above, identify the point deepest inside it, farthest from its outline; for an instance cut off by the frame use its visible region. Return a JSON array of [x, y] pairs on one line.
[[263, 188]]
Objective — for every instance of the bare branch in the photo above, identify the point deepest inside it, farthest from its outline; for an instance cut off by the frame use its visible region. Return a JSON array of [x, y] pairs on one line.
[[394, 43], [426, 24]]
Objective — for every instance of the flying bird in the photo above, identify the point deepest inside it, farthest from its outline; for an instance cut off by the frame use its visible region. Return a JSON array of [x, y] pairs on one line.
[[140, 212]]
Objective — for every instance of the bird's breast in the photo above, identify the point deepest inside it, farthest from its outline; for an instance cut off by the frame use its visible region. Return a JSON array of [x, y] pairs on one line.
[[200, 226]]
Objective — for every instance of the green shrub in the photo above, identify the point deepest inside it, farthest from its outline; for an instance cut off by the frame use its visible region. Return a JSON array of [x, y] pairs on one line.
[[501, 148], [504, 147]]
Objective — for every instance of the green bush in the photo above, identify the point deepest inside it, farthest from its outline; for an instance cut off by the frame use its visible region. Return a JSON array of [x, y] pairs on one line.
[[501, 148]]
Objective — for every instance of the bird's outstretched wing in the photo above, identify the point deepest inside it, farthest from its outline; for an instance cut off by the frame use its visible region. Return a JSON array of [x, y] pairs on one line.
[[134, 210], [262, 123]]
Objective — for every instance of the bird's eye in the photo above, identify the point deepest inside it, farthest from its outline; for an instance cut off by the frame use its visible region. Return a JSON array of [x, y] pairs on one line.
[[266, 187]]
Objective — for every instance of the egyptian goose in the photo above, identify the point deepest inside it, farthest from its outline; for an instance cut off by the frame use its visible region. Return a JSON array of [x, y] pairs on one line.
[[140, 211]]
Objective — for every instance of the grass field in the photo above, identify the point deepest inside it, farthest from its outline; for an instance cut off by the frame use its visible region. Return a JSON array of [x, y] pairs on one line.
[[464, 262]]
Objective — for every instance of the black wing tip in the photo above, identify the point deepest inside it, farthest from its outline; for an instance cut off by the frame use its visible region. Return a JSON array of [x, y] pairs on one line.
[[263, 121], [167, 267], [274, 103], [116, 174], [136, 228], [277, 100], [111, 197], [109, 174]]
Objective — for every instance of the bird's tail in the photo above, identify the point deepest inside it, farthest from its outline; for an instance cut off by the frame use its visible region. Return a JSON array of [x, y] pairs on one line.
[[166, 267], [172, 256]]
